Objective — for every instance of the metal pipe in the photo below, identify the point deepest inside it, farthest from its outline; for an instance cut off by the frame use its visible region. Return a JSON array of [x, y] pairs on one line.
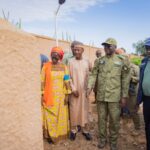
[[56, 25]]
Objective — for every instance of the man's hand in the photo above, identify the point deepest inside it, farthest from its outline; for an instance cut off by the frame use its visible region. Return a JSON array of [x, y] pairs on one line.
[[123, 102], [88, 92], [75, 93], [137, 107]]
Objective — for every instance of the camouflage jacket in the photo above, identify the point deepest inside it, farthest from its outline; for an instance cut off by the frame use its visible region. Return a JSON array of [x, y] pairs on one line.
[[134, 79], [113, 78]]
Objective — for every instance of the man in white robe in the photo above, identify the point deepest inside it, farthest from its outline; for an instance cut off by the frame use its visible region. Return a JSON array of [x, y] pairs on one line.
[[79, 104]]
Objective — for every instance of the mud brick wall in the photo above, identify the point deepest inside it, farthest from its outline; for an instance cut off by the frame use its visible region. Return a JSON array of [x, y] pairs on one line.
[[20, 110]]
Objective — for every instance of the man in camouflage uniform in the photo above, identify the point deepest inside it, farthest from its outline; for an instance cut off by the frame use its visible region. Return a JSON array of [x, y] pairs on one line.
[[131, 102], [113, 85], [133, 88], [98, 55]]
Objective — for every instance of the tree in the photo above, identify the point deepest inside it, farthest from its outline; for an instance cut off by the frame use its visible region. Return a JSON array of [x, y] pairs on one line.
[[139, 47]]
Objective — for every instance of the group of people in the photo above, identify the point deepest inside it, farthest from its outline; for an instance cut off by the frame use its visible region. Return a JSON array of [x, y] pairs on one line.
[[63, 84], [67, 83]]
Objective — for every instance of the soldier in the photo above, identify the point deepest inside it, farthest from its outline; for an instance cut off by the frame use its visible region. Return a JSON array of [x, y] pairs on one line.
[[113, 85], [131, 102], [98, 55], [133, 88]]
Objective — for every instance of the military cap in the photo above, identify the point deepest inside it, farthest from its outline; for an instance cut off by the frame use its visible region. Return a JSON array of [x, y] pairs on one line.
[[110, 41]]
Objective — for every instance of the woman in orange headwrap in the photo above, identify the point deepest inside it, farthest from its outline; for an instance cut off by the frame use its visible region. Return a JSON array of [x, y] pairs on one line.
[[55, 88]]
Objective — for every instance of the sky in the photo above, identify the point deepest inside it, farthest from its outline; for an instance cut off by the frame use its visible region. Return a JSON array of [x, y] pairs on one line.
[[88, 21]]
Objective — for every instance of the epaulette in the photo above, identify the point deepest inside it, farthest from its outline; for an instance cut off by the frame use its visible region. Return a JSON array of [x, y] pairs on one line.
[[101, 58], [121, 57], [98, 59]]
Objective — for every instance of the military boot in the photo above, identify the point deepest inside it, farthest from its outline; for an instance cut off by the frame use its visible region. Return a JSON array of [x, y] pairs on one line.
[[101, 144]]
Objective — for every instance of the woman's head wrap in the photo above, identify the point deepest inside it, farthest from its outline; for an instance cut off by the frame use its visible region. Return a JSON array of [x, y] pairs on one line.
[[58, 50]]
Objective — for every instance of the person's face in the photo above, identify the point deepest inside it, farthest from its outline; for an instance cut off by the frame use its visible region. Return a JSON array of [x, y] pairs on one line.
[[147, 50], [98, 54], [109, 49], [78, 52], [55, 57], [72, 49]]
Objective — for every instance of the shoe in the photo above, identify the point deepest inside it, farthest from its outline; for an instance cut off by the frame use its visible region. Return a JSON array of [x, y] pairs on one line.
[[49, 140], [72, 136], [101, 144], [113, 147], [87, 136]]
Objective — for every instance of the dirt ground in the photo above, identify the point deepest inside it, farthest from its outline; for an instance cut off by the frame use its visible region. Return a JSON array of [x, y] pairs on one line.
[[126, 140]]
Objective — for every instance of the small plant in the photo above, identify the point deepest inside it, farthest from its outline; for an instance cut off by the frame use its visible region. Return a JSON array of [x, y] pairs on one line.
[[7, 17], [136, 61]]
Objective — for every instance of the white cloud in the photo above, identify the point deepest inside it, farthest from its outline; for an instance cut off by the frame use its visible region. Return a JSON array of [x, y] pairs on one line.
[[41, 10]]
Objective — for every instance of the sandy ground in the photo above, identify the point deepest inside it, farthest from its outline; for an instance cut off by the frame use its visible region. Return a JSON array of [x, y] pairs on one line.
[[126, 140]]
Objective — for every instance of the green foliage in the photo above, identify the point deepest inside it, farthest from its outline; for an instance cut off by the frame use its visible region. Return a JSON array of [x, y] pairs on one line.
[[139, 47], [136, 60]]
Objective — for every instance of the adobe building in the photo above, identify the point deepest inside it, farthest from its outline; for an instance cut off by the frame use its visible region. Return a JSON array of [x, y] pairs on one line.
[[20, 110]]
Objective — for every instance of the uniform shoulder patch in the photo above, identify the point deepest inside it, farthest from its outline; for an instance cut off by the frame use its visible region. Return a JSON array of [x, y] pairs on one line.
[[121, 57], [125, 68], [101, 60]]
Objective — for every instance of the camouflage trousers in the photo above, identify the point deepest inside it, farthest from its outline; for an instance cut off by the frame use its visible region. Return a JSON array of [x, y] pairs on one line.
[[131, 102], [109, 110]]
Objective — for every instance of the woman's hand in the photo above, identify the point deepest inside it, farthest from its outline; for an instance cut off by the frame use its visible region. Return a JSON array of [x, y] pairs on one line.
[[66, 100]]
